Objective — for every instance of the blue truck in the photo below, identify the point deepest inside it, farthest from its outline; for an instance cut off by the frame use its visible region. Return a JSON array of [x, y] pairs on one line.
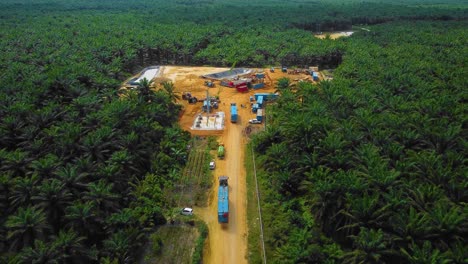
[[223, 200], [233, 113]]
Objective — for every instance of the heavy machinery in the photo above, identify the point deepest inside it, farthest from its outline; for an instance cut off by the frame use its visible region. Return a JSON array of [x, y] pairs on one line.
[[210, 83], [188, 96]]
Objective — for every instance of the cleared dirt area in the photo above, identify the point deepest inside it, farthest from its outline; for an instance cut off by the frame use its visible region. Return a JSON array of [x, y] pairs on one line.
[[334, 35], [226, 243]]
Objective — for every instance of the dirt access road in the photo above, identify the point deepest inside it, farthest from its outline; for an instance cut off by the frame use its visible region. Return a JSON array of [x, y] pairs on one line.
[[226, 243]]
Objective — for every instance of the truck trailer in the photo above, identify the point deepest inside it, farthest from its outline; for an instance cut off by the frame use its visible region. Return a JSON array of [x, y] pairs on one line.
[[223, 200]]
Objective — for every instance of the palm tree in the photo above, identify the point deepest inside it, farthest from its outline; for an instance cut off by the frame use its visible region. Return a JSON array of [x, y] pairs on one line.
[[122, 244], [45, 166], [25, 226], [41, 252], [305, 92], [144, 90], [449, 222], [70, 247], [15, 161], [10, 127], [53, 197], [417, 254], [5, 191], [170, 90], [72, 178], [118, 246], [101, 194], [370, 247], [282, 84], [23, 190], [366, 211], [122, 219], [84, 164], [95, 147], [83, 218]]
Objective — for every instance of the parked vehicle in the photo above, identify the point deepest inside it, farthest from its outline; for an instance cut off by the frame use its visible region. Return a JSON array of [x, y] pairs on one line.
[[254, 121], [187, 211], [212, 165], [221, 151]]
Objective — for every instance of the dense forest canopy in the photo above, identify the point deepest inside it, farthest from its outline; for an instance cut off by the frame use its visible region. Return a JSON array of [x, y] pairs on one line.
[[371, 167], [83, 171], [243, 12]]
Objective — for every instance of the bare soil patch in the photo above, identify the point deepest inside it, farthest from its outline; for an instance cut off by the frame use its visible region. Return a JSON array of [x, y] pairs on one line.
[[334, 35]]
